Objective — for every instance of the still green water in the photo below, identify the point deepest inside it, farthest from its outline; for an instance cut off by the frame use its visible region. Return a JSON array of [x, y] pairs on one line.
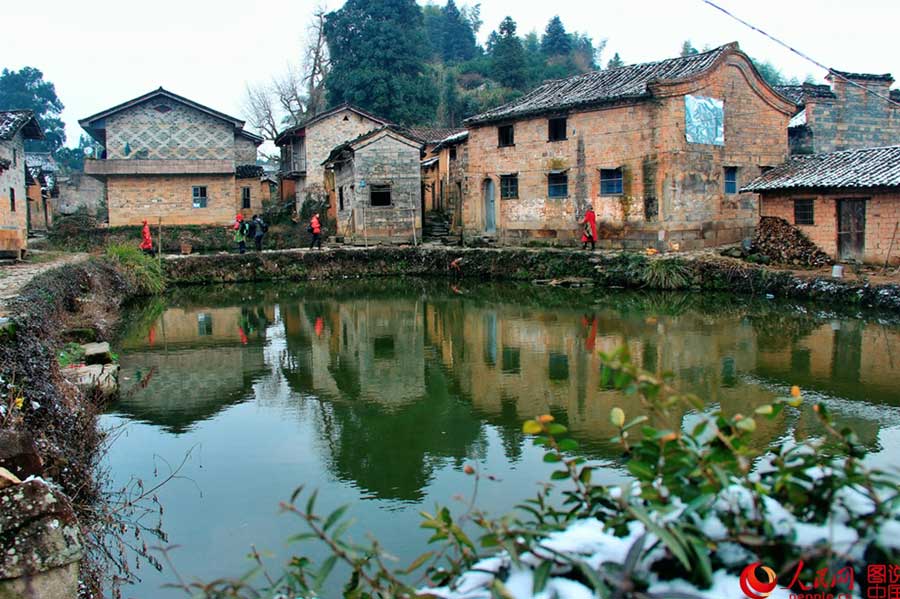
[[379, 392]]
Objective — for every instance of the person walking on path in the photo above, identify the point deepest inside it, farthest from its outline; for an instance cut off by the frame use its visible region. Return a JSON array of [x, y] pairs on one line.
[[589, 234], [315, 227], [260, 228], [146, 240], [240, 232]]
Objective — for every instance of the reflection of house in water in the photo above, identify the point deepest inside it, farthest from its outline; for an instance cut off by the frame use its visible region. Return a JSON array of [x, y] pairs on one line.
[[199, 361]]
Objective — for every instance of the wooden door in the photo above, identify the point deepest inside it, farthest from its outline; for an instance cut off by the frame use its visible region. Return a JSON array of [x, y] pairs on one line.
[[490, 223], [851, 229]]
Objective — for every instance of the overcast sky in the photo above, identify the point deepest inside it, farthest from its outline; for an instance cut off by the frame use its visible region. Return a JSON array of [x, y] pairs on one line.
[[100, 53]]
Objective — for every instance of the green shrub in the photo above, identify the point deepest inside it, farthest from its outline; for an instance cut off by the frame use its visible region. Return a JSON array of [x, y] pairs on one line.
[[143, 272], [666, 273]]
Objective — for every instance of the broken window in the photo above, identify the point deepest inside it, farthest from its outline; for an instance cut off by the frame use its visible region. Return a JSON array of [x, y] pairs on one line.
[[245, 198], [506, 136], [558, 185], [509, 187], [610, 181], [380, 195], [731, 185], [804, 212], [556, 129], [199, 193]]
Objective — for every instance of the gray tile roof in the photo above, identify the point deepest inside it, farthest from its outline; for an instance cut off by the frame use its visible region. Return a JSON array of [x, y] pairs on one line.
[[432, 135], [869, 167], [11, 121], [602, 87], [798, 94]]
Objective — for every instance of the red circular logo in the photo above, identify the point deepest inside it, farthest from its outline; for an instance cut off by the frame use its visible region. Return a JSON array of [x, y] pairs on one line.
[[753, 587]]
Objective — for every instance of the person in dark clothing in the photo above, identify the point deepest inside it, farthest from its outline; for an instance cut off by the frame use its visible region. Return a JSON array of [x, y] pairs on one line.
[[315, 227], [259, 230]]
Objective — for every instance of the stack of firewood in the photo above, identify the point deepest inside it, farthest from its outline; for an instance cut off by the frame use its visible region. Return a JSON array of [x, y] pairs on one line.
[[785, 244]]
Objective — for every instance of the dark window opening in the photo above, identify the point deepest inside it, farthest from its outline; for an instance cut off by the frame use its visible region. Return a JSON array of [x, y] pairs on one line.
[[341, 197], [15, 157], [380, 195], [511, 360], [506, 136], [731, 185], [204, 324], [801, 361], [558, 366], [556, 129], [383, 348], [651, 209], [558, 185], [245, 197], [12, 199], [610, 181], [453, 153], [509, 187], [199, 193], [804, 212]]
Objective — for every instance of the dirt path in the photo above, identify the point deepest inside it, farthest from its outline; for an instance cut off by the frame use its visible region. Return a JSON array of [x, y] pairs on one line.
[[16, 275]]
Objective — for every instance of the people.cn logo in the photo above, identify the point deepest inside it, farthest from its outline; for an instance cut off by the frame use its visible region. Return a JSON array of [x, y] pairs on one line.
[[753, 587]]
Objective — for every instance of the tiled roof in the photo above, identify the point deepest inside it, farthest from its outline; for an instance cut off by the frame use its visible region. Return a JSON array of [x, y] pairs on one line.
[[279, 139], [863, 76], [432, 135], [42, 160], [798, 94], [12, 121], [869, 167], [452, 140], [601, 87], [347, 145]]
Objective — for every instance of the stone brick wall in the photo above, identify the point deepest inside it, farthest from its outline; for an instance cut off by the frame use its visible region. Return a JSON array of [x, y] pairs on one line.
[[257, 195], [13, 234], [384, 161], [647, 141], [322, 137], [80, 191], [41, 216], [882, 214], [134, 198], [244, 150], [180, 133], [856, 119]]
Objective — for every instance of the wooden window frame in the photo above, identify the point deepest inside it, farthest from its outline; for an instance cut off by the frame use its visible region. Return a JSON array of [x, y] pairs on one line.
[[501, 138], [509, 187], [611, 181], [731, 184], [381, 188], [558, 185], [199, 200], [245, 198], [800, 208], [553, 129]]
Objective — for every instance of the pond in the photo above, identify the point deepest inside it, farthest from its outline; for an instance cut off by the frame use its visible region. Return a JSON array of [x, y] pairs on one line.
[[379, 392]]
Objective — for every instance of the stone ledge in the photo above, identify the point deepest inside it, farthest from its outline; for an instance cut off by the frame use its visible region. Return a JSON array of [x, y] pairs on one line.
[[158, 167]]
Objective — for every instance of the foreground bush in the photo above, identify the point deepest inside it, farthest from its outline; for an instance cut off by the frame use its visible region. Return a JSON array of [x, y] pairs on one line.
[[704, 506], [142, 271]]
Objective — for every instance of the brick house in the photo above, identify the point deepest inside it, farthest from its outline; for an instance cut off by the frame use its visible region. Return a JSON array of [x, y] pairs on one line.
[[172, 158], [659, 149], [435, 167], [40, 179], [304, 147], [445, 172], [376, 189], [15, 127], [844, 115], [847, 203]]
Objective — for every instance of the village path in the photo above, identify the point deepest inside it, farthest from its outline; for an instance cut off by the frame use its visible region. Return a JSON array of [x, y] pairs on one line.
[[16, 275]]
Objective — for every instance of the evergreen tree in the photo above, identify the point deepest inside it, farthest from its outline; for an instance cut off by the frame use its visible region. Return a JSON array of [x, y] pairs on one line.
[[556, 42], [26, 90], [433, 18], [451, 104], [615, 62], [584, 54], [688, 49], [769, 72], [535, 60], [458, 43], [378, 51], [508, 57]]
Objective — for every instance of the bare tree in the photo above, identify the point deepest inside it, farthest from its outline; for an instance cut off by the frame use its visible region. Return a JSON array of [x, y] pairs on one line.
[[261, 111], [316, 61]]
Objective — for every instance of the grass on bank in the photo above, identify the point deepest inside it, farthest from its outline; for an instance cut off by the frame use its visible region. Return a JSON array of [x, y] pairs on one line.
[[143, 271]]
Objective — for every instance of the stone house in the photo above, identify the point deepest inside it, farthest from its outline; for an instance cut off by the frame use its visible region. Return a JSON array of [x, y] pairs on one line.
[[304, 148], [847, 203], [42, 189], [444, 173], [844, 115], [435, 168], [79, 191], [375, 187], [15, 127], [660, 150], [168, 157]]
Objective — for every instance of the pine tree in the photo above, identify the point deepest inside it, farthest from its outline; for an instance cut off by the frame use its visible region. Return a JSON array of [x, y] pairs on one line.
[[509, 67], [458, 43], [615, 62], [688, 49], [378, 51], [556, 42]]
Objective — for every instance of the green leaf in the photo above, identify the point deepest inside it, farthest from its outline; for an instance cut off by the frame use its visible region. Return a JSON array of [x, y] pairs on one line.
[[551, 458], [559, 474], [641, 470], [541, 576], [335, 516], [635, 422], [311, 503], [617, 417], [417, 563], [746, 424], [668, 537], [568, 445], [325, 570], [556, 429]]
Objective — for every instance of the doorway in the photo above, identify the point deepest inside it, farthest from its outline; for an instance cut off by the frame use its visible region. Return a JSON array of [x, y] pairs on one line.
[[490, 221], [851, 229]]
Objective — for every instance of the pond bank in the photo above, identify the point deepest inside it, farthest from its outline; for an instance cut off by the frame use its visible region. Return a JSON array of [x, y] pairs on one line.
[[705, 272]]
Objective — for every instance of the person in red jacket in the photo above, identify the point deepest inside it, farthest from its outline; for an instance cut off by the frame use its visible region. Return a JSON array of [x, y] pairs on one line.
[[315, 227], [146, 240], [589, 235]]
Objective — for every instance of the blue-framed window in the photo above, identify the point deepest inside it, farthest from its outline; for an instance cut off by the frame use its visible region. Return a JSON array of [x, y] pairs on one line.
[[610, 181]]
